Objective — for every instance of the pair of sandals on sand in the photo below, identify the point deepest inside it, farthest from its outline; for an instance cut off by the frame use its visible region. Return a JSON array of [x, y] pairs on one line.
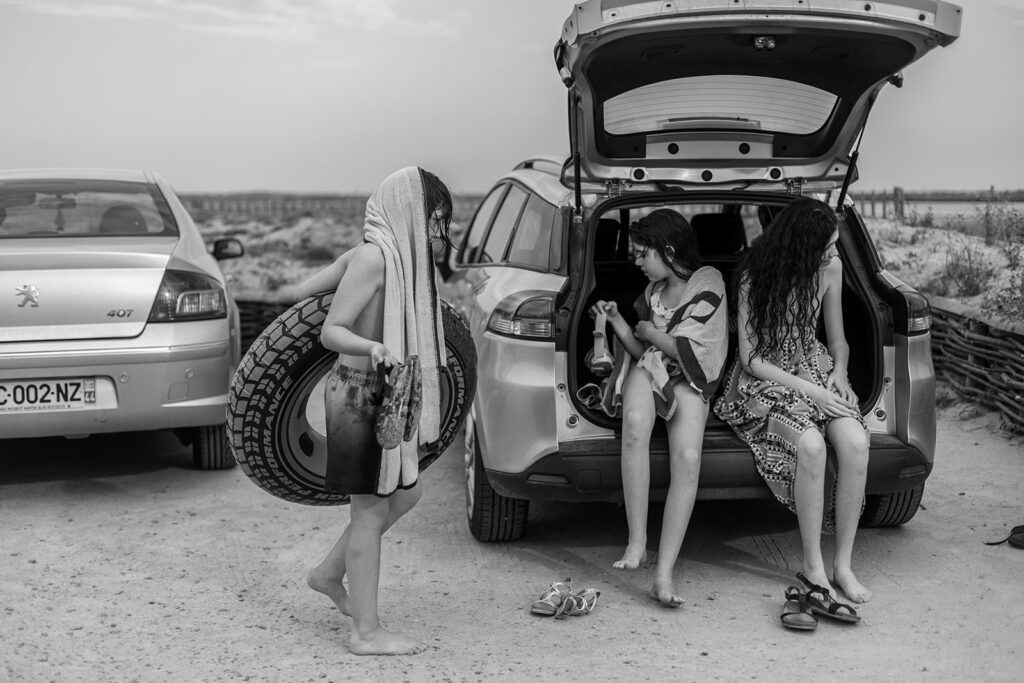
[[804, 606], [561, 601]]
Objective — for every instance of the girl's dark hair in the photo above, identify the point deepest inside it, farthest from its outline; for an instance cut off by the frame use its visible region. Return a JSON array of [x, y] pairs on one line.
[[780, 273], [436, 196], [668, 233]]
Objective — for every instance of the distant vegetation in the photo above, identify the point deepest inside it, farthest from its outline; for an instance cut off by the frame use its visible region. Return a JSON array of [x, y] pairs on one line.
[[289, 237]]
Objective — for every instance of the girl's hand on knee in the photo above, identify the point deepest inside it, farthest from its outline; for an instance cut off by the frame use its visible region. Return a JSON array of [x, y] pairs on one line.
[[832, 404], [840, 384]]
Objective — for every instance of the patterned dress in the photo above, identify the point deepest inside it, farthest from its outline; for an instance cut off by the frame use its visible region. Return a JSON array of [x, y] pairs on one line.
[[771, 417]]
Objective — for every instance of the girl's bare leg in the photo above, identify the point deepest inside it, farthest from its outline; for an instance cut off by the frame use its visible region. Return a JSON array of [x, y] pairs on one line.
[[637, 425], [685, 437], [327, 577], [850, 441], [809, 492], [362, 559]]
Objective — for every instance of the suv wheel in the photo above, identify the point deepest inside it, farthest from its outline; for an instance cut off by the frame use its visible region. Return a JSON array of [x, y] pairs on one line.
[[891, 509], [491, 516], [210, 450]]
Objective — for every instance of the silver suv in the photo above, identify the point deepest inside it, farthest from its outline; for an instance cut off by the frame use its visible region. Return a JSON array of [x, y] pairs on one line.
[[724, 113]]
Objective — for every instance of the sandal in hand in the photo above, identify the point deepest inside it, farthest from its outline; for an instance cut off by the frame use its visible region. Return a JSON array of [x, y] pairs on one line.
[[599, 361]]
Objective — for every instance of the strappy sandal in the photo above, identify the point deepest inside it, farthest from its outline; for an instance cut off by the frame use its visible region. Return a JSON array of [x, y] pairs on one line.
[[599, 361], [579, 603], [553, 599], [796, 613], [823, 604]]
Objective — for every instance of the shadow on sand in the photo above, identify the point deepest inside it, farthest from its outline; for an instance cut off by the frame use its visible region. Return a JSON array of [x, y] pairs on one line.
[[98, 456]]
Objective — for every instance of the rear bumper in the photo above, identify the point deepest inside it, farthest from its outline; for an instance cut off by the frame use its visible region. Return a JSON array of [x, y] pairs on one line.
[[590, 471], [171, 376]]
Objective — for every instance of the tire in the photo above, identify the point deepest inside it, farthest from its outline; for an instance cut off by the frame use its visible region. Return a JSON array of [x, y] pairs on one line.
[[491, 516], [278, 435], [210, 448], [891, 509]]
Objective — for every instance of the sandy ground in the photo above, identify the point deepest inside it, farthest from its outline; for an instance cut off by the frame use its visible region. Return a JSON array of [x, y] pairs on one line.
[[120, 563]]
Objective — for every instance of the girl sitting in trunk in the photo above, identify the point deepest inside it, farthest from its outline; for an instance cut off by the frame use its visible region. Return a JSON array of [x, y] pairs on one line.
[[679, 347], [787, 393]]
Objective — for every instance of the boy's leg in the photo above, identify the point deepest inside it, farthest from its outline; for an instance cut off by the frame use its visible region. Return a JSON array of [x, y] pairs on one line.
[[850, 441], [685, 438], [327, 577], [809, 495], [362, 559], [637, 425]]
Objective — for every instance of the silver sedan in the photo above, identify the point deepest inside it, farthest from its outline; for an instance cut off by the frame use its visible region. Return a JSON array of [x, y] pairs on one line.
[[114, 315]]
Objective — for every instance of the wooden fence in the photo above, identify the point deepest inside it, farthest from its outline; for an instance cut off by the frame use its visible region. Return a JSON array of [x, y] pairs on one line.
[[893, 203], [982, 360], [254, 316]]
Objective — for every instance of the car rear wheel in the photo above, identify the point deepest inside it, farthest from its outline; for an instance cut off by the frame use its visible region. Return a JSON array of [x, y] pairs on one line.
[[276, 419], [210, 449], [491, 516], [891, 509]]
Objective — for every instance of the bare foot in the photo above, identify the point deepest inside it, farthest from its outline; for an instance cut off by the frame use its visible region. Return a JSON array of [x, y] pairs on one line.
[[332, 588], [664, 593], [849, 584], [384, 642], [633, 557]]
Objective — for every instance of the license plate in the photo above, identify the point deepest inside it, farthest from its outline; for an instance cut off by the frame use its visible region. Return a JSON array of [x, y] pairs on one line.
[[47, 394]]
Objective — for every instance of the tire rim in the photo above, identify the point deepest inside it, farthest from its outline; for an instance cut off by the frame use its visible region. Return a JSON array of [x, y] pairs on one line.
[[303, 426]]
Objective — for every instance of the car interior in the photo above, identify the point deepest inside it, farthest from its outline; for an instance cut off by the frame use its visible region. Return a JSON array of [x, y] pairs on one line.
[[723, 233], [122, 219]]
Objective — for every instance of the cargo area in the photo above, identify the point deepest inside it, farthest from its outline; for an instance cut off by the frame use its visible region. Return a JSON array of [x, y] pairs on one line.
[[723, 232]]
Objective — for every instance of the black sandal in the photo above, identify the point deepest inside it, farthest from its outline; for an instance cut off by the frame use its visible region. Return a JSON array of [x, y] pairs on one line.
[[822, 603], [1015, 539], [796, 613]]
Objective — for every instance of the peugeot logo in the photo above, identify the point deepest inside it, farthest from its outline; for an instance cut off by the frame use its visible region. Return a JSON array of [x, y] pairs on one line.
[[29, 295]]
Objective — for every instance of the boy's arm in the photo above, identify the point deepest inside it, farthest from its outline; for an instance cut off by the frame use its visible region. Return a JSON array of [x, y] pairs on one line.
[[363, 278], [324, 280]]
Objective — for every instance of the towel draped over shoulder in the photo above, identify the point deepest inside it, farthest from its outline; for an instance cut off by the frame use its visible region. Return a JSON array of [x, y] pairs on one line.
[[700, 327]]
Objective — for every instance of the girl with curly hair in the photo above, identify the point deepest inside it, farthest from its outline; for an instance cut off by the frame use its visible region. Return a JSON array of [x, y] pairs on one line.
[[787, 393]]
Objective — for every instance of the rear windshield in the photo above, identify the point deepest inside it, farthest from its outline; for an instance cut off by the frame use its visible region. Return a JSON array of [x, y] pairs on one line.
[[82, 208], [720, 102]]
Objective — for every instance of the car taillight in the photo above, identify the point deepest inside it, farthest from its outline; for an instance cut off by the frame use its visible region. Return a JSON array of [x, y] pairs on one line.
[[526, 315], [919, 312], [188, 296]]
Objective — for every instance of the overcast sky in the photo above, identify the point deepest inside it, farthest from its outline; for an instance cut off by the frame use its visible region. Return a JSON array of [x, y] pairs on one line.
[[332, 95]]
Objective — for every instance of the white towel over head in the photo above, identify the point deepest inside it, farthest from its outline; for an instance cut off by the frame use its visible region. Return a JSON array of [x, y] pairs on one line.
[[396, 222]]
